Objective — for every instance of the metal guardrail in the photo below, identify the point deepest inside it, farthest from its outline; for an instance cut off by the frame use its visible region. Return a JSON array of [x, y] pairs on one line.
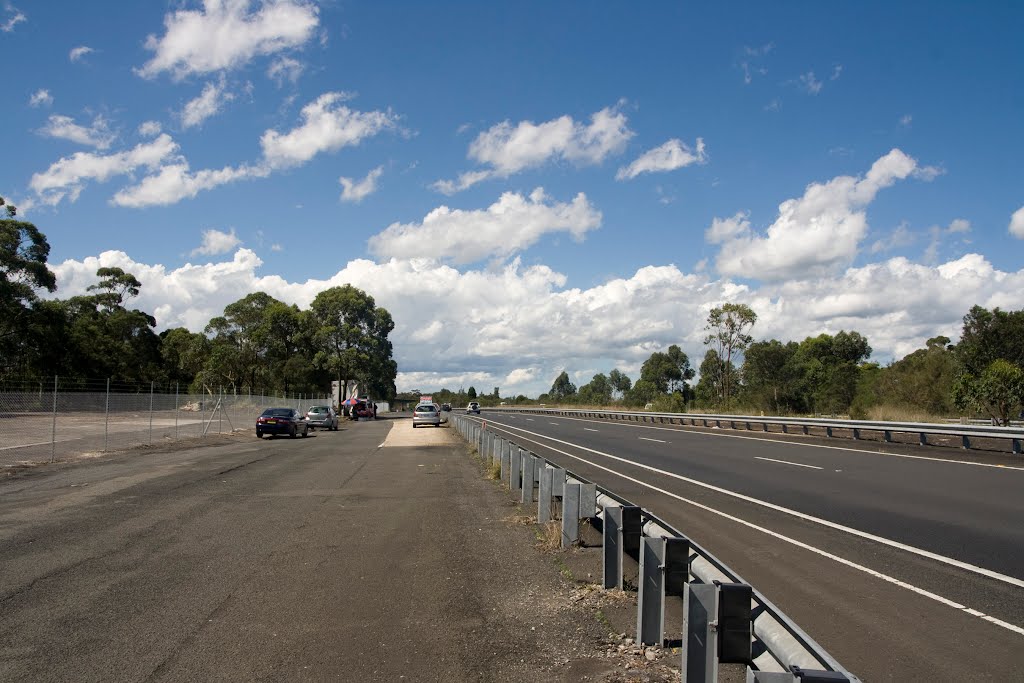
[[725, 619], [1015, 435]]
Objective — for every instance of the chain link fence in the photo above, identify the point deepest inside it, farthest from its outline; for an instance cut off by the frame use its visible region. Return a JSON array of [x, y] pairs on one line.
[[44, 421]]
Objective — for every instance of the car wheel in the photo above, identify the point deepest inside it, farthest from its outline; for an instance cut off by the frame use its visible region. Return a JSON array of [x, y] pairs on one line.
[[305, 433], [293, 433], [259, 435]]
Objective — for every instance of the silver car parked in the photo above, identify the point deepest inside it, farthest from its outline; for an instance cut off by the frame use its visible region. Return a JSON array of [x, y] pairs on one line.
[[426, 414], [322, 417]]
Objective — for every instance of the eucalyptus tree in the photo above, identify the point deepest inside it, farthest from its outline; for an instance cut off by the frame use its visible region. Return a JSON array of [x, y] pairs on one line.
[[240, 342], [562, 389], [619, 381], [23, 272], [727, 327], [351, 335], [668, 371], [991, 359]]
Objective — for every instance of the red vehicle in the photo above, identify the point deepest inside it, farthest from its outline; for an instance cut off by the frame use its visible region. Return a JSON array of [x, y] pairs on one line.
[[276, 421]]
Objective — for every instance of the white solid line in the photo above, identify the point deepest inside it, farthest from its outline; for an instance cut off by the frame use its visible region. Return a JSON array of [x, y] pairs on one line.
[[810, 518], [553, 423], [797, 443], [1004, 624], [588, 429], [644, 438], [800, 544], [786, 462]]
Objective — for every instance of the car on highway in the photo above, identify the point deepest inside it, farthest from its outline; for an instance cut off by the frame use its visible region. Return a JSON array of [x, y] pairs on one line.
[[426, 414], [473, 407], [276, 421], [323, 417], [446, 407]]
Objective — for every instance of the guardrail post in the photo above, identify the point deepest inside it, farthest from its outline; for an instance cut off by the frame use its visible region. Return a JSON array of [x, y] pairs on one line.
[[1015, 443], [664, 570], [828, 432], [856, 433], [506, 466], [557, 482], [922, 439], [544, 496], [529, 465], [588, 501], [515, 471], [570, 514], [611, 549], [700, 646], [965, 442]]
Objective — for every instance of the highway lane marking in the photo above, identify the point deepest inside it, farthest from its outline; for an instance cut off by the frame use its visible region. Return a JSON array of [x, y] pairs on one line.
[[800, 544], [797, 443], [786, 462], [588, 429], [553, 423], [789, 511], [644, 438]]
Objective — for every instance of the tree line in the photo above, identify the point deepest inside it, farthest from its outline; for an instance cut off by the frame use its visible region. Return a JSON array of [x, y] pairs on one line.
[[982, 375], [258, 345]]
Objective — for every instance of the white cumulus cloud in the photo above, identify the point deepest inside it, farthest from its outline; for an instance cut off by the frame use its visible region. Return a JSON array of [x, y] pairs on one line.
[[227, 34], [97, 135], [67, 176], [507, 149], [285, 69], [1017, 223], [357, 190], [77, 53], [816, 233], [40, 98], [516, 327], [14, 17], [668, 157], [327, 126], [511, 224], [175, 182], [150, 128], [209, 103], [216, 242]]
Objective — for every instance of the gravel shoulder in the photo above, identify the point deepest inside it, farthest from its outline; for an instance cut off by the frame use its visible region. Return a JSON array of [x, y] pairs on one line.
[[379, 553]]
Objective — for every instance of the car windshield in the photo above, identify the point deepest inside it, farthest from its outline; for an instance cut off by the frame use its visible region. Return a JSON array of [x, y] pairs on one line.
[[277, 412], [318, 409]]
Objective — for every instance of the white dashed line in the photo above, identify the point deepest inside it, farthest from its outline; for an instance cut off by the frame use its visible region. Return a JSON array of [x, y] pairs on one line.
[[786, 462]]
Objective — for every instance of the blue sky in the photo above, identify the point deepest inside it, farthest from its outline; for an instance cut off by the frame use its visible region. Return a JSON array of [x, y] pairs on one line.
[[530, 187]]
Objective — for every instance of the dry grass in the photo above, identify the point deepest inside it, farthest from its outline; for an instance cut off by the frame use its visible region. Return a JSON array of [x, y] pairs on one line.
[[549, 535], [493, 470], [901, 413]]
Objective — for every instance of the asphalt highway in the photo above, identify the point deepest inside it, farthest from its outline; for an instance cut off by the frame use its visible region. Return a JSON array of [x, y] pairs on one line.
[[906, 564]]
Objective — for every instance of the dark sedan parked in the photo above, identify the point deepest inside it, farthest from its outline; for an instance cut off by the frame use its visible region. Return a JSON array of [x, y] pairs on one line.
[[276, 421]]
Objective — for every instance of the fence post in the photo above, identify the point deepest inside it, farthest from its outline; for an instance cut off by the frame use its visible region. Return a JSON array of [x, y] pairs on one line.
[[150, 412], [53, 429], [106, 418], [175, 411]]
